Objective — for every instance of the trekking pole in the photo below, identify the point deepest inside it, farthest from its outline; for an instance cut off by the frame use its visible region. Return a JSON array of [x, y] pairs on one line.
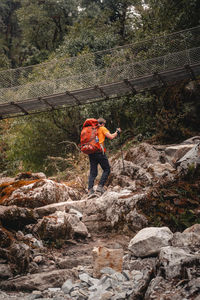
[[122, 154]]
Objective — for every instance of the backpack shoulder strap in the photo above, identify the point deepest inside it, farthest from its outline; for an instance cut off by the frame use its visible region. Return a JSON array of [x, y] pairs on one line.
[[90, 122]]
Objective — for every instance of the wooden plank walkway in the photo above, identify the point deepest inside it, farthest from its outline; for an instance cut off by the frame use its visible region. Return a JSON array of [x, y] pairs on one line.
[[99, 93]]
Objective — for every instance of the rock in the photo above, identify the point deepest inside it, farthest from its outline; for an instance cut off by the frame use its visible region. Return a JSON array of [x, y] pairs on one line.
[[192, 140], [19, 256], [190, 159], [76, 227], [123, 174], [38, 259], [71, 262], [103, 212], [144, 264], [67, 286], [16, 217], [4, 253], [5, 271], [107, 270], [159, 288], [36, 295], [30, 176], [52, 227], [186, 239], [143, 155], [73, 211], [181, 152], [194, 228], [6, 237], [60, 225], [159, 170], [39, 281], [119, 209], [175, 152], [136, 221], [149, 241], [172, 260], [35, 193], [104, 257]]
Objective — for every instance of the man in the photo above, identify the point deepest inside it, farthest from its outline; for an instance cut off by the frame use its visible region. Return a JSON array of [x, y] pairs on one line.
[[100, 158]]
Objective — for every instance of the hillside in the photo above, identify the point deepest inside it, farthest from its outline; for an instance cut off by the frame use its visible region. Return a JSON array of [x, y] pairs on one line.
[[144, 229]]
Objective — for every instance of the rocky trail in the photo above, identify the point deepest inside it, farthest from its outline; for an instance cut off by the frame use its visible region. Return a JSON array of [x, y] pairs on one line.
[[139, 240]]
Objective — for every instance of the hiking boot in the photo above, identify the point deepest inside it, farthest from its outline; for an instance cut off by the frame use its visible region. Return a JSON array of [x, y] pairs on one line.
[[90, 192], [100, 189]]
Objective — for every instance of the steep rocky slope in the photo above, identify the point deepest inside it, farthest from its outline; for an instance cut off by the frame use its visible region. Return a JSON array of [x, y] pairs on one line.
[[49, 231]]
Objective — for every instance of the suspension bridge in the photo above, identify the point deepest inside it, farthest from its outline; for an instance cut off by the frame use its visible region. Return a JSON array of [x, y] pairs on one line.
[[73, 81]]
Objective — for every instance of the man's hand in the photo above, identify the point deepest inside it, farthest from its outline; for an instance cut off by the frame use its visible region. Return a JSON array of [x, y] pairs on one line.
[[118, 130], [111, 136]]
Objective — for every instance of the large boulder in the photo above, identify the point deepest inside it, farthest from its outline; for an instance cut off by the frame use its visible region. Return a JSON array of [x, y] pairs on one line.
[[6, 237], [190, 159], [38, 281], [176, 152], [76, 227], [19, 257], [108, 211], [187, 239], [125, 173], [35, 193], [60, 225], [142, 155], [143, 166], [173, 261], [149, 241], [16, 217], [193, 229]]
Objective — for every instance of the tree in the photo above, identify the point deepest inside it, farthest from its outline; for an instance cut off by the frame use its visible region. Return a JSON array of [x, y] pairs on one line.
[[44, 23], [29, 145], [173, 15], [9, 32], [116, 13]]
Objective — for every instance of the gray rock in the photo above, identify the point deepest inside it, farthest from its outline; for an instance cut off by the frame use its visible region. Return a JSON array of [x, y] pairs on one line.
[[186, 239], [193, 140], [107, 270], [149, 241], [171, 259], [67, 286], [190, 159], [39, 281], [76, 212], [126, 274], [85, 277], [118, 277], [35, 295], [120, 296], [5, 271]]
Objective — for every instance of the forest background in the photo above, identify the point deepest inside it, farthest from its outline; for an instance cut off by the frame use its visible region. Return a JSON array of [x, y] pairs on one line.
[[37, 31]]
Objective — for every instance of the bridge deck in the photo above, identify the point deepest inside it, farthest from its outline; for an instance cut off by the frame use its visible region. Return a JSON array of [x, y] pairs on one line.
[[98, 93]]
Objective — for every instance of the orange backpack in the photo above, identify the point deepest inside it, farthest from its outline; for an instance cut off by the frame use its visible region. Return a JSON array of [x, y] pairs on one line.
[[89, 137]]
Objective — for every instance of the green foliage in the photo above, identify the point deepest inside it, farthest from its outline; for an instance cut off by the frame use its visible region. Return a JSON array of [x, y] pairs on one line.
[[43, 24], [174, 204], [176, 115], [34, 31], [88, 34], [32, 139], [164, 15]]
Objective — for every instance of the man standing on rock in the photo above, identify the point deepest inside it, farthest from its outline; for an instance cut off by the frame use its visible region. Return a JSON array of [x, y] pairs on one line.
[[100, 158]]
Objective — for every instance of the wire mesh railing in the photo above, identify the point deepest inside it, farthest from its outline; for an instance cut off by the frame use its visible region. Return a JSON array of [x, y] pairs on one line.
[[103, 67]]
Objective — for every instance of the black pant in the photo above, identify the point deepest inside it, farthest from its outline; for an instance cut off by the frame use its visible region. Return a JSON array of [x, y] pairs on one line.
[[95, 159]]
